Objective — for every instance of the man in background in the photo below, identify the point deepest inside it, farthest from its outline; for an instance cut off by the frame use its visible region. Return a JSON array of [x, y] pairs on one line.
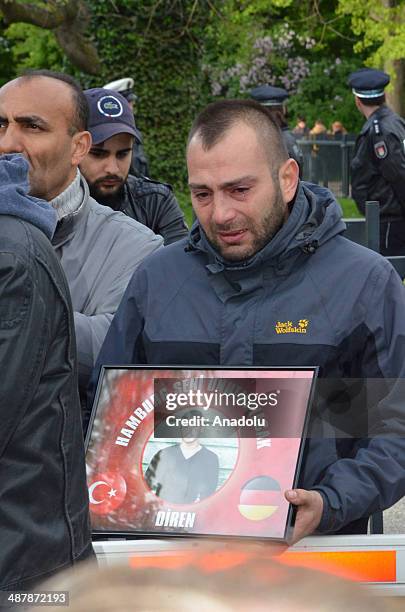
[[106, 169], [274, 99], [139, 161], [378, 164], [301, 129]]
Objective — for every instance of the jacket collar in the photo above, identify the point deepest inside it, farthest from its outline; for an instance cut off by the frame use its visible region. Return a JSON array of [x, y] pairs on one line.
[[378, 114], [68, 225]]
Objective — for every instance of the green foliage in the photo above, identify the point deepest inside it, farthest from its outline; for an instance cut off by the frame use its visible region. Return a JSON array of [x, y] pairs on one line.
[[159, 46], [324, 95], [349, 208], [184, 200], [275, 59], [33, 47], [380, 26], [177, 51], [6, 59], [290, 45]]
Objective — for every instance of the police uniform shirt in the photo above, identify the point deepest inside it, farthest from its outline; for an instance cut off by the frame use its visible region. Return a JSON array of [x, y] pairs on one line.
[[378, 164]]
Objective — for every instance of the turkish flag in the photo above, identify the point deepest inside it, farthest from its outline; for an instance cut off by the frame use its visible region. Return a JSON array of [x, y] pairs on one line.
[[106, 492]]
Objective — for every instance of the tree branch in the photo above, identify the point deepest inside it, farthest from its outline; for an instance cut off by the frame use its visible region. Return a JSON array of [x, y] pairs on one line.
[[15, 12], [326, 24]]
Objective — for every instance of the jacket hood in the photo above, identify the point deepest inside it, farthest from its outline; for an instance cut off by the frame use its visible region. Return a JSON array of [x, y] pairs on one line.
[[14, 198], [314, 219]]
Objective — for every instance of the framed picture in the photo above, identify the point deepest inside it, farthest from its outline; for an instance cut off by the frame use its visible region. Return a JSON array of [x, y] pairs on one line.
[[196, 451]]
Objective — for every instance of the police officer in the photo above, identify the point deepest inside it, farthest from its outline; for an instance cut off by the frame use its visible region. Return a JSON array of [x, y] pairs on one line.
[[378, 165], [139, 163], [274, 98]]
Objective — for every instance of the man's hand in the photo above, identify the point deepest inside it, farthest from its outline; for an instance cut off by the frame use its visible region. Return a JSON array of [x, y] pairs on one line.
[[309, 512]]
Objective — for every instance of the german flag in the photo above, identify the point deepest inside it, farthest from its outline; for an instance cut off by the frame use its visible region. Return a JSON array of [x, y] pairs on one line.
[[259, 498]]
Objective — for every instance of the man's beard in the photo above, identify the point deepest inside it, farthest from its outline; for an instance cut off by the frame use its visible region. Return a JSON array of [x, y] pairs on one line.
[[114, 200], [262, 232]]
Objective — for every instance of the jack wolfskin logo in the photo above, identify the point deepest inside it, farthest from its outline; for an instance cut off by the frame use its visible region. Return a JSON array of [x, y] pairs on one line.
[[288, 327]]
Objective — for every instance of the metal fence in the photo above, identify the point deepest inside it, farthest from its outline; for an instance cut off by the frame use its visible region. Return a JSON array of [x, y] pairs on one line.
[[367, 233], [327, 161]]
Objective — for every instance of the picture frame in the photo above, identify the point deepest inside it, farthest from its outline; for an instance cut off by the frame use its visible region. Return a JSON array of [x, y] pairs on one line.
[[148, 479]]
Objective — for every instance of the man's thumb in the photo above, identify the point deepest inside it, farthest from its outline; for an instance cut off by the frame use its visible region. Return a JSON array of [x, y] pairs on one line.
[[294, 496]]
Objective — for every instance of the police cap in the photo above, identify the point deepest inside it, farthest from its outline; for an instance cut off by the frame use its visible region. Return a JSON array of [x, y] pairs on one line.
[[269, 96], [124, 87], [368, 83]]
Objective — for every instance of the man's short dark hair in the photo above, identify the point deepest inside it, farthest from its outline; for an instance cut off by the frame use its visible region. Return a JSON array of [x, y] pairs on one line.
[[219, 117], [80, 114], [373, 101]]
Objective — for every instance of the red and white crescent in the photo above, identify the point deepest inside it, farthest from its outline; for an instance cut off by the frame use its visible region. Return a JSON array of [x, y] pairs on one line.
[[91, 491]]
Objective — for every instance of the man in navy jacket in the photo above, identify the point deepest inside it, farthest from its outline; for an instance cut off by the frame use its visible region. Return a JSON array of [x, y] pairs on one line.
[[265, 250]]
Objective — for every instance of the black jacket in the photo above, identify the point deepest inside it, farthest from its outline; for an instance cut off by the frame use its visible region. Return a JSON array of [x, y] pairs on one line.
[[154, 205], [44, 520], [378, 164], [139, 162]]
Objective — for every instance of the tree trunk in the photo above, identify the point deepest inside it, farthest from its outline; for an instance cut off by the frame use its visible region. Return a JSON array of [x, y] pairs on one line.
[[396, 97]]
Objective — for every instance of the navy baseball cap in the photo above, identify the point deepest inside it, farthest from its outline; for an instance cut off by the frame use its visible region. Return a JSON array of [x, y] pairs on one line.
[[110, 114], [269, 95], [368, 83]]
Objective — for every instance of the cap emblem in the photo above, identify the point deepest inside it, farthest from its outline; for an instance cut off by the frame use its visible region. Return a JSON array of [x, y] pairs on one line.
[[110, 106]]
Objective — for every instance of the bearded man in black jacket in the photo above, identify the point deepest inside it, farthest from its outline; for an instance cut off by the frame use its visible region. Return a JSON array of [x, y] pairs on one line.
[[106, 169]]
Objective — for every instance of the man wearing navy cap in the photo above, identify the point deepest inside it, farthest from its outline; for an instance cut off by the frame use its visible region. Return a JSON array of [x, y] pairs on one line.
[[274, 98], [107, 165], [378, 165], [139, 163]]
